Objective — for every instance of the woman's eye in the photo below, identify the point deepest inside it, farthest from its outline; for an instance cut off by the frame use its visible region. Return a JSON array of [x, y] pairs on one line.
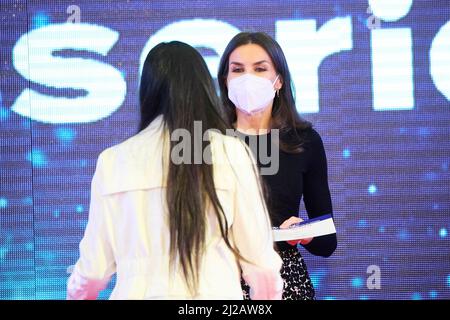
[[260, 69], [236, 70]]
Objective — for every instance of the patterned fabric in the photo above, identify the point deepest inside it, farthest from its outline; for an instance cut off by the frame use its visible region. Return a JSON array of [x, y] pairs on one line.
[[297, 284]]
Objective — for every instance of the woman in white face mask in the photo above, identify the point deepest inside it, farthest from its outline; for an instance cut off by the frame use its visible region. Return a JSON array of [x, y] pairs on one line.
[[256, 91]]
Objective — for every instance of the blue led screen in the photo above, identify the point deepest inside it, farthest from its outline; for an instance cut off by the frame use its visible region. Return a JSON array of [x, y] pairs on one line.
[[372, 76]]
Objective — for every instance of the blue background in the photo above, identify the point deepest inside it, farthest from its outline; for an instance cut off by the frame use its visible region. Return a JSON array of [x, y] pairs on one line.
[[388, 170]]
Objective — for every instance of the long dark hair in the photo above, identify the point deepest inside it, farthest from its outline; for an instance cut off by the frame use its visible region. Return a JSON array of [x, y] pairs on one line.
[[284, 113], [176, 84]]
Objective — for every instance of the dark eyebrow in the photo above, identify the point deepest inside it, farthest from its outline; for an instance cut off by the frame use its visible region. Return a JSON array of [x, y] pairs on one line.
[[256, 63], [260, 62]]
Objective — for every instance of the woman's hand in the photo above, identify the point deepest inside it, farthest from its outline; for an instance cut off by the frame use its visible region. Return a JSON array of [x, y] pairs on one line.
[[287, 223]]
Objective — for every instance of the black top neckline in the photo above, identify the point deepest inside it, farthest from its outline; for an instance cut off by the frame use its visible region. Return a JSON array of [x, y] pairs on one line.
[[253, 134]]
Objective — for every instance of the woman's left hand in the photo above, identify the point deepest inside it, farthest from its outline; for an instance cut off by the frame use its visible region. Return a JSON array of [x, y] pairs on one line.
[[287, 223]]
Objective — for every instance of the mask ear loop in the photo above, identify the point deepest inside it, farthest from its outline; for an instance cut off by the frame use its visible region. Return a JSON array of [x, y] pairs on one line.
[[278, 91]]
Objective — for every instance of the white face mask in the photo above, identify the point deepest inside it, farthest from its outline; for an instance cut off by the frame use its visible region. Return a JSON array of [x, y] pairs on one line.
[[251, 93]]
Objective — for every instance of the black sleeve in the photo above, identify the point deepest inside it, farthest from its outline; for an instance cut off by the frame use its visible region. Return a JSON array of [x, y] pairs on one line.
[[316, 194]]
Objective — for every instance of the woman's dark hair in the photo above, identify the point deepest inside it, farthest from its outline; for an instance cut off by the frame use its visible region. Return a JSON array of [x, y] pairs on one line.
[[284, 113], [176, 84]]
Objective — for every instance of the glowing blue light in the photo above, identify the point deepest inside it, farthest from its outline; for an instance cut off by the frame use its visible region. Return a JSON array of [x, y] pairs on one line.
[[372, 189], [448, 280], [357, 282], [26, 124], [329, 298], [402, 130], [362, 223], [444, 166], [431, 176], [443, 232], [3, 203], [47, 255], [56, 213], [65, 135], [4, 114], [3, 252], [83, 224], [37, 158], [346, 153], [28, 201], [433, 294], [381, 229], [40, 19], [80, 208], [403, 235], [363, 297], [416, 296], [435, 206], [423, 131], [316, 277], [83, 163], [29, 246]]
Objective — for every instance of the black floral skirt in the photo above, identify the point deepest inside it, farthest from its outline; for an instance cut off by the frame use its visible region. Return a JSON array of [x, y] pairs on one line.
[[297, 284]]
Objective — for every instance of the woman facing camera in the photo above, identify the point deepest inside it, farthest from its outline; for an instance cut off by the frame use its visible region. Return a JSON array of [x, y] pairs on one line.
[[255, 86], [169, 225]]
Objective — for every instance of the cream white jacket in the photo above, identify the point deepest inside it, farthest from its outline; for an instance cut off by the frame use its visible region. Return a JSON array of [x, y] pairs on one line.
[[127, 231]]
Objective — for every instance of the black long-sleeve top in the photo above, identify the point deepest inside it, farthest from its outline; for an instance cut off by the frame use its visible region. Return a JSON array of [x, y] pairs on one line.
[[300, 175]]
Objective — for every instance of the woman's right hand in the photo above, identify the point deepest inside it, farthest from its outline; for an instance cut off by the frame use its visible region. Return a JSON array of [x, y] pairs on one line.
[[289, 222]]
